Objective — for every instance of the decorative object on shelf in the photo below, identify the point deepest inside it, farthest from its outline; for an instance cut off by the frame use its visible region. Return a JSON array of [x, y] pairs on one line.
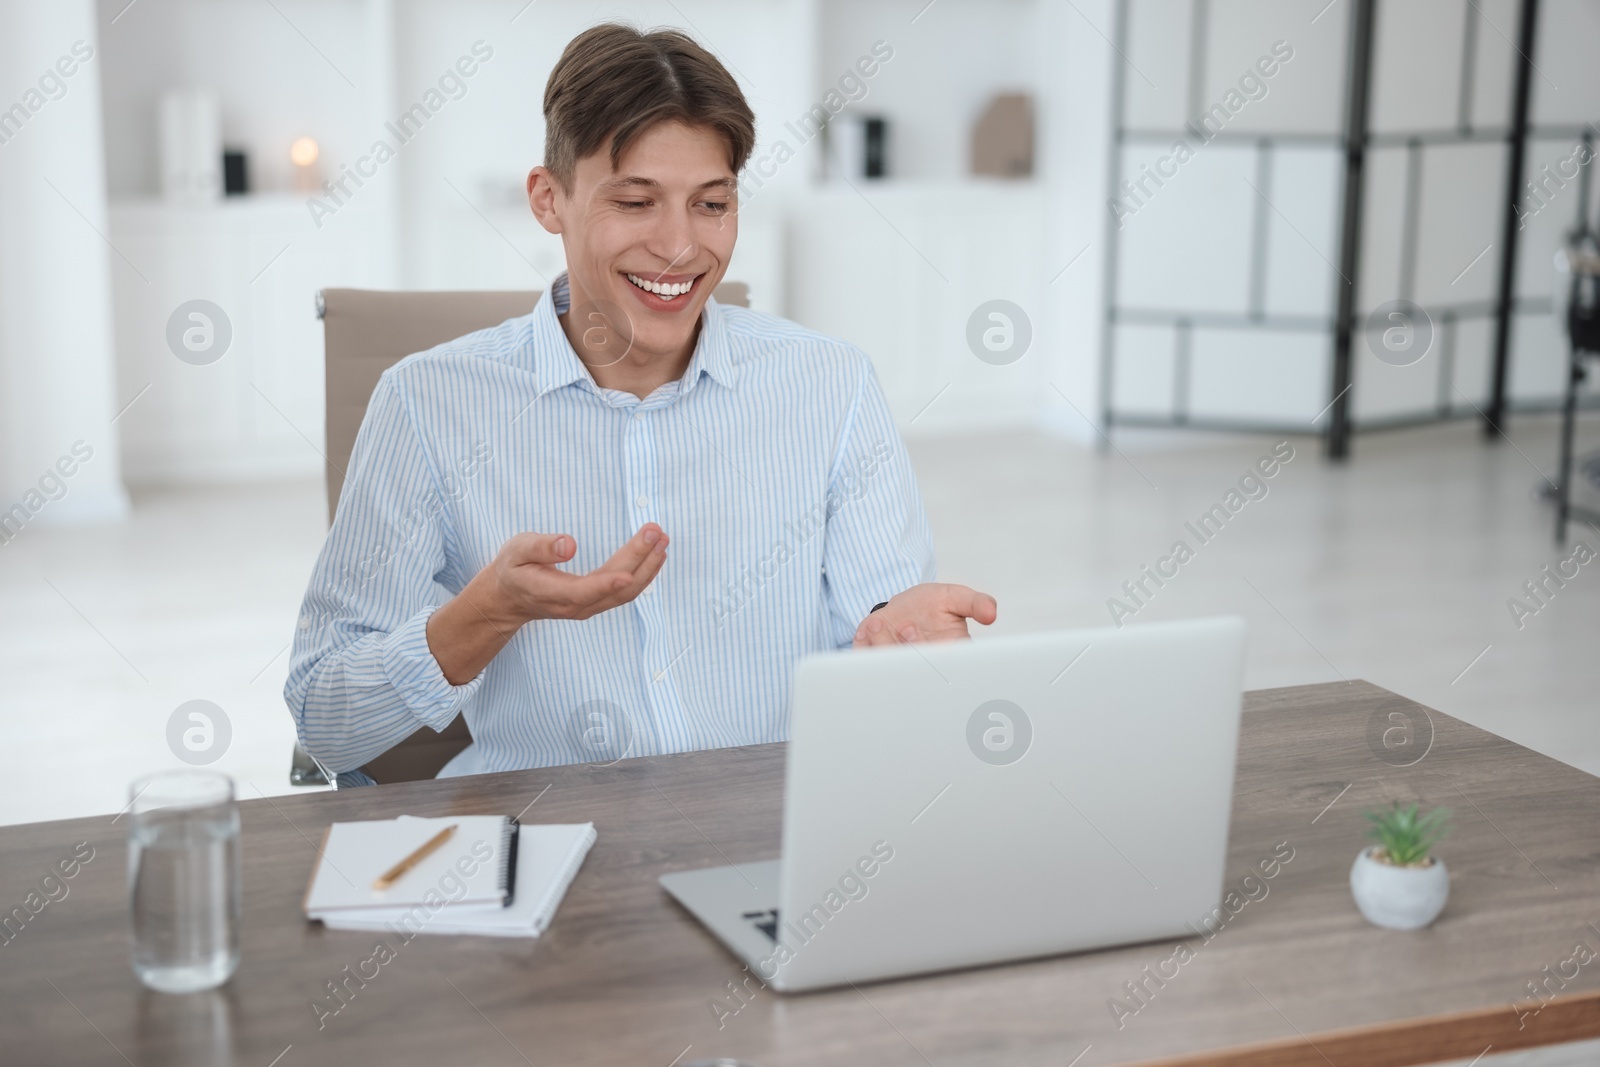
[[303, 154], [1002, 138], [860, 146], [875, 147], [191, 145], [235, 172], [1398, 883]]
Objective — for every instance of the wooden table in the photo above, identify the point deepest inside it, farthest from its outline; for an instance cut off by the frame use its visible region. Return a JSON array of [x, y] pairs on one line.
[[625, 977]]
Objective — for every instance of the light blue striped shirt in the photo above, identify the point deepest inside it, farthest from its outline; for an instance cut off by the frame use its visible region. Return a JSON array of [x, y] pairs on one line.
[[773, 465]]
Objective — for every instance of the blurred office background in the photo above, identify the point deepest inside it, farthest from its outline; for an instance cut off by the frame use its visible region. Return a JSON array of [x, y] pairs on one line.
[[1176, 328]]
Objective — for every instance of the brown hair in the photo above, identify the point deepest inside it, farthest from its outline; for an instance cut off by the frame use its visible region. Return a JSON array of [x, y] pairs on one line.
[[616, 81]]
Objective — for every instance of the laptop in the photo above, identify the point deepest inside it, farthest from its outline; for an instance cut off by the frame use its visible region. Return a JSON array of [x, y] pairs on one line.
[[965, 803]]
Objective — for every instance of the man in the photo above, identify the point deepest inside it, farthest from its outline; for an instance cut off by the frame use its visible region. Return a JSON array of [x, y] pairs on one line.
[[471, 566]]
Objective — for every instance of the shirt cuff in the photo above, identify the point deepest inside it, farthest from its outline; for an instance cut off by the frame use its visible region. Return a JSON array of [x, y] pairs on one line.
[[409, 665]]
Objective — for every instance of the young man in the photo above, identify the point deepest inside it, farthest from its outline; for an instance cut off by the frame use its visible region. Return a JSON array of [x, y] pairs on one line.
[[472, 565]]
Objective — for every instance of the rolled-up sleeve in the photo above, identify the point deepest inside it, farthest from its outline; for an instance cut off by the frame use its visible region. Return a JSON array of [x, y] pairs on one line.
[[361, 676], [878, 539]]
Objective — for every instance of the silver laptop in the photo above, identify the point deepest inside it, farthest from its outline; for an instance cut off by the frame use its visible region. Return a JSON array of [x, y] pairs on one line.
[[956, 804]]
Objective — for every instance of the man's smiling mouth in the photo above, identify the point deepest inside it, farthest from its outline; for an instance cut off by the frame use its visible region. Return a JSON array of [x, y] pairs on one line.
[[664, 290]]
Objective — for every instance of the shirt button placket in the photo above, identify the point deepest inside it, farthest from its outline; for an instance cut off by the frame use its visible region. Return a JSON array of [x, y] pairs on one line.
[[639, 473], [642, 492]]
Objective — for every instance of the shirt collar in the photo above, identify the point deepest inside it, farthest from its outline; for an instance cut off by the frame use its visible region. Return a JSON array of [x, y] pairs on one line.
[[557, 365]]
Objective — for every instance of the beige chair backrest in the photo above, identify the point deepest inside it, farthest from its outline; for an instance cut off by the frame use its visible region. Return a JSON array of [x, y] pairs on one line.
[[365, 332]]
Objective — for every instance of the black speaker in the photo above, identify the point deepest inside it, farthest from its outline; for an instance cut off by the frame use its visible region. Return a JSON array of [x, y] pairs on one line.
[[876, 153], [235, 173]]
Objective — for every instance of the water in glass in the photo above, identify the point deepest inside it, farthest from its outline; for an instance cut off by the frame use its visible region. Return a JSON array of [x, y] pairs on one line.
[[184, 880]]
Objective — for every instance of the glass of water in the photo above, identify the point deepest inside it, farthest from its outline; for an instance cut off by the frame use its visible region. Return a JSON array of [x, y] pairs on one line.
[[184, 880]]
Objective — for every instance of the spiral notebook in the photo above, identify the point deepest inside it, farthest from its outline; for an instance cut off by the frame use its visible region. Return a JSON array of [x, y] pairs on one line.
[[492, 878]]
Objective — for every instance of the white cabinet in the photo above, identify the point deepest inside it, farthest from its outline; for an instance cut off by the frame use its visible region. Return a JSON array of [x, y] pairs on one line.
[[899, 269], [257, 410]]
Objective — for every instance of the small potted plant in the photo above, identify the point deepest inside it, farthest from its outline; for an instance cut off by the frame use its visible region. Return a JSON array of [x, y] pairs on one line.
[[1398, 883]]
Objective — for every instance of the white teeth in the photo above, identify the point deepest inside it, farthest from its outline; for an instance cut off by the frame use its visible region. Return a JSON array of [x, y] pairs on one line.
[[665, 292]]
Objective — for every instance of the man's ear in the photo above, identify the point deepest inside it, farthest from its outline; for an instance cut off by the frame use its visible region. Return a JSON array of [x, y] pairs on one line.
[[542, 194]]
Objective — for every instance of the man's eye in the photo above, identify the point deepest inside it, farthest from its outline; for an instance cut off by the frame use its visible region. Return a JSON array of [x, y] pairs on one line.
[[632, 203], [717, 207]]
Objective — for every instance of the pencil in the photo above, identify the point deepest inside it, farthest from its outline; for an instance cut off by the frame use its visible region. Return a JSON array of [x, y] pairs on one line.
[[394, 874]]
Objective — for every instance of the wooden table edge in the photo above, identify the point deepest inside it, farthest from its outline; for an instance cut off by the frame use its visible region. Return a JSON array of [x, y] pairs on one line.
[[1407, 1042]]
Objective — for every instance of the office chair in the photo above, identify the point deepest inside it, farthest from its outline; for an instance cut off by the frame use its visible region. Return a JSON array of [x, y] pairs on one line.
[[365, 332]]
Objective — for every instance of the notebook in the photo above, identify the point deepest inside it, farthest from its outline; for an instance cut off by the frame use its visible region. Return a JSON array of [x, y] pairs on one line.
[[547, 860], [541, 860], [472, 868]]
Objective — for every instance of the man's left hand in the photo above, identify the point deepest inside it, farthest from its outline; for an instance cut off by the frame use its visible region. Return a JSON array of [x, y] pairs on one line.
[[932, 611]]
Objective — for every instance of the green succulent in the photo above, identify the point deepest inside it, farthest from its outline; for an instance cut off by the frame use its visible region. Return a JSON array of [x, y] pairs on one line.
[[1406, 837]]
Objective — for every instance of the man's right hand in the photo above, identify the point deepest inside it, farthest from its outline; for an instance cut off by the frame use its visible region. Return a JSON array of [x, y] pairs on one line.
[[528, 585], [523, 583]]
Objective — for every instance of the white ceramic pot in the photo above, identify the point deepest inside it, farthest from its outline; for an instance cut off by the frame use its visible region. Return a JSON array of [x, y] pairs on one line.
[[1400, 898]]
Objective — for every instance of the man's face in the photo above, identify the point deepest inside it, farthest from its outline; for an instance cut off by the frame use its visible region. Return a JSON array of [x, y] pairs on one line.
[[666, 218]]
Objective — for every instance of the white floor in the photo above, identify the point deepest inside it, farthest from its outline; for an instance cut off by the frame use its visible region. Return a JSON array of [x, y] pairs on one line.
[[1396, 567], [109, 629]]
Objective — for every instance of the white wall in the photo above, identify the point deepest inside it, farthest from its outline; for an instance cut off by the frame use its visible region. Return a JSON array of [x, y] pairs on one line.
[[57, 386], [466, 223], [947, 65], [1075, 64]]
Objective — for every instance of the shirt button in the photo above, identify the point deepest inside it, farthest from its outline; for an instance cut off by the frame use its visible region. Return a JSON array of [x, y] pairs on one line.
[[642, 500]]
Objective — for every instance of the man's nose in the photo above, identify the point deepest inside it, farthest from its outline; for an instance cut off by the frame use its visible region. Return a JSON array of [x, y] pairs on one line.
[[673, 239]]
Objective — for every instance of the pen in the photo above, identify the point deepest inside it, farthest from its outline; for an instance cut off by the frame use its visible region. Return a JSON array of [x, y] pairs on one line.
[[393, 874]]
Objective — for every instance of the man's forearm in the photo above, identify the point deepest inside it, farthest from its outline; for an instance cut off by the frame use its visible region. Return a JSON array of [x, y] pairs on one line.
[[346, 711], [470, 630]]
